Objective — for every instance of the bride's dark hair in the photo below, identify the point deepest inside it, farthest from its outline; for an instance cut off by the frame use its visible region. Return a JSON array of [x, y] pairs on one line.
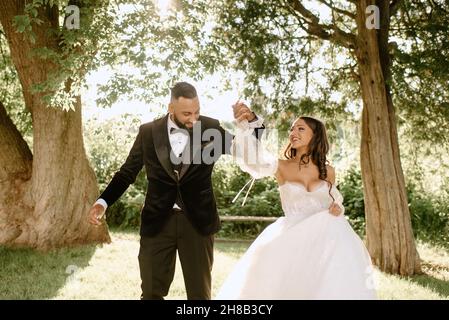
[[318, 149]]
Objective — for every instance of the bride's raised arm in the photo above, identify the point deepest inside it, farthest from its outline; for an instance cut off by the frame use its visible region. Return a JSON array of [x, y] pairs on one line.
[[249, 153]]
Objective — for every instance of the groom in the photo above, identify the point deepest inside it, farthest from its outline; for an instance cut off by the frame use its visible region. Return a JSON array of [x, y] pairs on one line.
[[180, 214]]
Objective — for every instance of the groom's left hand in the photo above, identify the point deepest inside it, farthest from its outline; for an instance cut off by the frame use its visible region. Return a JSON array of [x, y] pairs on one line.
[[241, 112]]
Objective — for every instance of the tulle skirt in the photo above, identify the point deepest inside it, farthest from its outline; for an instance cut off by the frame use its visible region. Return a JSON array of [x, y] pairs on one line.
[[303, 257]]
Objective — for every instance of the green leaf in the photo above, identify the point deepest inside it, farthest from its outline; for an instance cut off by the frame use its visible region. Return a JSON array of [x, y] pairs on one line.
[[34, 12], [32, 37], [21, 22], [21, 28]]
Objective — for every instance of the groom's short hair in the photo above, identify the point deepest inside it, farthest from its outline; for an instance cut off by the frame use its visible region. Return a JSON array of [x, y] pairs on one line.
[[182, 89]]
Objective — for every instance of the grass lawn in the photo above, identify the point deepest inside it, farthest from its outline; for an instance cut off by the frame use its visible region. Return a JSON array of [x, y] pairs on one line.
[[112, 272]]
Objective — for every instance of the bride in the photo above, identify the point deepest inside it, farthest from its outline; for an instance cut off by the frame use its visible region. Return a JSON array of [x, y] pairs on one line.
[[312, 252]]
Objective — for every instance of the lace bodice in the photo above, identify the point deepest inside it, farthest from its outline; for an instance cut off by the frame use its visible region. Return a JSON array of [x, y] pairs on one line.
[[296, 200]]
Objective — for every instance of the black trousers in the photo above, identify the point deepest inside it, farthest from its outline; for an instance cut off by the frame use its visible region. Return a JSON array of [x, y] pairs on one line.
[[157, 260]]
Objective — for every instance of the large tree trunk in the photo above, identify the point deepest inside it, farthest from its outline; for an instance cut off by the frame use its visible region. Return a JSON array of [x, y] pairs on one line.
[[63, 183], [389, 232], [62, 186], [15, 173]]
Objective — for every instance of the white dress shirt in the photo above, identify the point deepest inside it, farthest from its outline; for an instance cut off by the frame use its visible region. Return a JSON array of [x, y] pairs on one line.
[[178, 140]]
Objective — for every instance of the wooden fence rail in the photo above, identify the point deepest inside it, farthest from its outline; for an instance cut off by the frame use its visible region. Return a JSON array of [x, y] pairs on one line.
[[248, 218]]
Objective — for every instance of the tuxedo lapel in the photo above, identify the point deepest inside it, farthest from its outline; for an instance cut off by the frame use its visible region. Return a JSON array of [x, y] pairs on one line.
[[162, 145]]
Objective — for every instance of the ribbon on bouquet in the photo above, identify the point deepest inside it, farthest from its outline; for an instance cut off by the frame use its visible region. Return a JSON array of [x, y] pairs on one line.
[[251, 181], [247, 192]]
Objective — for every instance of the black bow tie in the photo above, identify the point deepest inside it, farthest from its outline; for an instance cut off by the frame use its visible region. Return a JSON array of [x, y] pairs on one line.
[[177, 130]]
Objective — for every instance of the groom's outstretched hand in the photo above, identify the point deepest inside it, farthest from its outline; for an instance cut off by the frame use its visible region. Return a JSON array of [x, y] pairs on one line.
[[335, 209], [96, 213], [241, 112]]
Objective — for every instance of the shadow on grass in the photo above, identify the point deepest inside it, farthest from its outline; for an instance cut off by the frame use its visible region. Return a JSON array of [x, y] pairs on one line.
[[437, 285], [29, 274]]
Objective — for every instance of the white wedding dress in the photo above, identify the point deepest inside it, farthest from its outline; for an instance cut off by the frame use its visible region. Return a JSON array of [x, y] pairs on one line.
[[308, 253]]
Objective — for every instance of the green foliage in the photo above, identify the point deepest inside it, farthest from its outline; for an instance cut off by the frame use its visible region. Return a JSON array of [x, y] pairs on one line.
[[265, 41], [352, 190], [71, 52], [420, 74], [150, 51], [11, 94], [430, 215], [241, 230], [23, 23]]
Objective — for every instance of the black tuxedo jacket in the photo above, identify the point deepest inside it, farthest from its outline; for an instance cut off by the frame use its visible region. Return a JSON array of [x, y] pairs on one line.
[[192, 185]]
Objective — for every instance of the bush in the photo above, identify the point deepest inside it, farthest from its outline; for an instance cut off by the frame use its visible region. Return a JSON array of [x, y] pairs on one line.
[[429, 211], [351, 188], [430, 215]]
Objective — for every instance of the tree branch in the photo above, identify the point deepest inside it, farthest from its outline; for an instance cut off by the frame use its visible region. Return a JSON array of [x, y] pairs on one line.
[[322, 31], [394, 6], [342, 11], [13, 144]]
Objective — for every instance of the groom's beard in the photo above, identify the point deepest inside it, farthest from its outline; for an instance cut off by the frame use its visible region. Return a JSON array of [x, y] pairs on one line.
[[182, 125]]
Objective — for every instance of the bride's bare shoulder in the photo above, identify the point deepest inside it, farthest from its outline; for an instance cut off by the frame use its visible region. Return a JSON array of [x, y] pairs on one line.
[[282, 165]]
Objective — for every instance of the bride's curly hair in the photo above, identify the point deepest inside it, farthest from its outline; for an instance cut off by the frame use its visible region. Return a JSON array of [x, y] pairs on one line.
[[318, 149]]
